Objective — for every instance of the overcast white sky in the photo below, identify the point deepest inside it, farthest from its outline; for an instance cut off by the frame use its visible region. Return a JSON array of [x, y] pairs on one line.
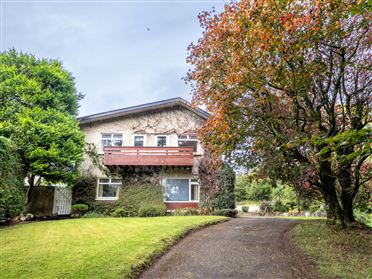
[[116, 60]]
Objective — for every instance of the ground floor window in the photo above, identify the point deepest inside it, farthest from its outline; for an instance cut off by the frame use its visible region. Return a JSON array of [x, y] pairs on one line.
[[181, 189], [108, 188]]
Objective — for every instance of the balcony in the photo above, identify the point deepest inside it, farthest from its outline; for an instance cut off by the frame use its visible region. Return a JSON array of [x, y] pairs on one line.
[[148, 156]]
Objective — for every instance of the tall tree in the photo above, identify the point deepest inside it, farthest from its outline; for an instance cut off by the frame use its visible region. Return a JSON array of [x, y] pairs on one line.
[[38, 108], [288, 85]]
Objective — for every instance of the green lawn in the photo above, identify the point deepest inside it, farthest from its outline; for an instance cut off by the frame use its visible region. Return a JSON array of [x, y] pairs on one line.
[[300, 217], [90, 248], [338, 254]]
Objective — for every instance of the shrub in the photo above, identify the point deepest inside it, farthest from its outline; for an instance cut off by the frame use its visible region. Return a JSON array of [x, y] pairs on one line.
[[259, 190], [224, 196], [84, 190], [226, 212], [265, 208], [279, 206], [363, 217], [11, 182], [119, 212], [133, 197], [187, 211], [79, 209], [104, 207], [317, 206], [152, 211], [245, 208]]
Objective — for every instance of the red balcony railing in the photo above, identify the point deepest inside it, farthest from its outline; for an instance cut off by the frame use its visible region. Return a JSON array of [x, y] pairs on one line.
[[148, 156]]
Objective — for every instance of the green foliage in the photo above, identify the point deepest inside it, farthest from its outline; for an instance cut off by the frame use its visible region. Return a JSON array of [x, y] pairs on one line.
[[152, 211], [242, 182], [363, 217], [317, 206], [104, 207], [227, 212], [84, 190], [11, 180], [189, 211], [119, 212], [259, 190], [245, 208], [266, 208], [38, 112], [279, 206], [133, 197], [225, 196], [79, 209]]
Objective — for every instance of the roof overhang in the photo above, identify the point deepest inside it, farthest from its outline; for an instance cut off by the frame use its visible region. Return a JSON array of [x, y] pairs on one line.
[[169, 103]]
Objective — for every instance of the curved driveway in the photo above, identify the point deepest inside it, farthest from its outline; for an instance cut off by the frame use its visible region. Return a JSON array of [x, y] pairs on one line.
[[241, 248]]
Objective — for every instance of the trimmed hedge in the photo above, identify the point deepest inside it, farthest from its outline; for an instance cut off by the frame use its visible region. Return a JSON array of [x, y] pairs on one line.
[[151, 211], [11, 183], [134, 197]]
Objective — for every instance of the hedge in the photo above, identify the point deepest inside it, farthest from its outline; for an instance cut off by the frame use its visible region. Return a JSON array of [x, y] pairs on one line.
[[11, 183]]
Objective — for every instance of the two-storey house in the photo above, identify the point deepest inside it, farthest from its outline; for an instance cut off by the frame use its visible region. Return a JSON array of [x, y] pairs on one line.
[[157, 140]]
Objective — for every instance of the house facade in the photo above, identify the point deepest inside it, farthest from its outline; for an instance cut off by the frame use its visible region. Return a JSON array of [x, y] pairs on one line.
[[156, 143]]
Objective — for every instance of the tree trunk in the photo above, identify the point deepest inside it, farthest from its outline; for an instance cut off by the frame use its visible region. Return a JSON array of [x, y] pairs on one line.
[[31, 184], [347, 206], [328, 187]]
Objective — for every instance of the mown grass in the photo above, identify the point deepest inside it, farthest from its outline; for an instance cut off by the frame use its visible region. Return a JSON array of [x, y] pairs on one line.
[[90, 248], [301, 217], [337, 253]]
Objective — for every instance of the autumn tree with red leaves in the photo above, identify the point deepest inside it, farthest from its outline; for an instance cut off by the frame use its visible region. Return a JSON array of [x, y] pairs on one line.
[[288, 86]]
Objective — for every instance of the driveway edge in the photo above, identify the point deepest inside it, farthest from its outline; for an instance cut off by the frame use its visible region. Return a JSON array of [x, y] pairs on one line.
[[136, 271]]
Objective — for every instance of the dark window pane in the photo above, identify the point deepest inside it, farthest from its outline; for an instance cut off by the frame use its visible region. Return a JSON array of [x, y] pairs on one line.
[[107, 191], [161, 141], [185, 143], [138, 141], [194, 192]]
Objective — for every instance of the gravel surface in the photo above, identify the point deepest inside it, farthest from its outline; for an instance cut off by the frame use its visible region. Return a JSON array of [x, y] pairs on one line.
[[250, 247]]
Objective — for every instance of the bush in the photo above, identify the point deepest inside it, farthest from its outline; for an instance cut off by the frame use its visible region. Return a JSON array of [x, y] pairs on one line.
[[134, 197], [226, 212], [12, 180], [187, 211], [245, 208], [279, 206], [363, 217], [119, 212], [79, 209], [104, 207], [84, 190], [224, 196], [259, 190], [152, 211], [266, 208]]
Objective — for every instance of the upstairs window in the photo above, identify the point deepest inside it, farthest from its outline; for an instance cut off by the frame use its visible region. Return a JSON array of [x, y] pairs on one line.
[[112, 140], [161, 141], [188, 141], [139, 140]]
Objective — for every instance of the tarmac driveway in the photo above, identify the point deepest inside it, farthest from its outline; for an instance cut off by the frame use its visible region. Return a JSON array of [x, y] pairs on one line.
[[241, 248]]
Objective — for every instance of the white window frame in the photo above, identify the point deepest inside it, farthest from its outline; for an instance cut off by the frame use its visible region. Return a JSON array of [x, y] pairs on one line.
[[111, 183], [111, 138], [190, 184], [188, 139], [166, 140], [142, 135]]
